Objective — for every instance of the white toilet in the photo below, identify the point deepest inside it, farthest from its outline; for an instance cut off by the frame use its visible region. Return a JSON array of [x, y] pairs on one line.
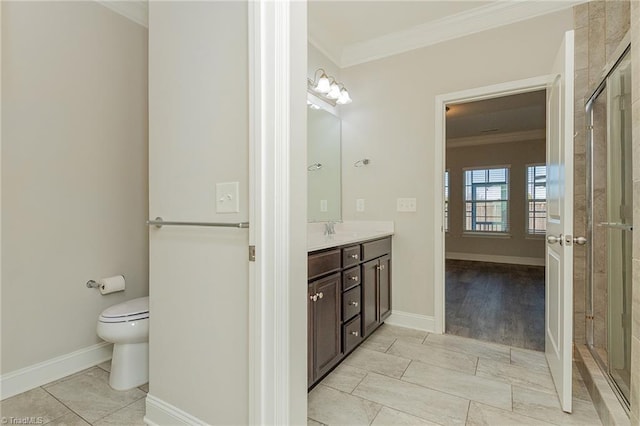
[[126, 325]]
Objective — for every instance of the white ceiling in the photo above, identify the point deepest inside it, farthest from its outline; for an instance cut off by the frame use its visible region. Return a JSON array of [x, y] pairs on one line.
[[521, 116], [356, 31]]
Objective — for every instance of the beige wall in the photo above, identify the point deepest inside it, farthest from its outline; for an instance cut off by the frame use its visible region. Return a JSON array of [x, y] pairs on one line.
[[199, 277], [516, 155], [391, 121], [74, 172]]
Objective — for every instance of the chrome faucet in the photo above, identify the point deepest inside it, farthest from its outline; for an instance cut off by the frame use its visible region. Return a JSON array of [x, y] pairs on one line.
[[329, 228]]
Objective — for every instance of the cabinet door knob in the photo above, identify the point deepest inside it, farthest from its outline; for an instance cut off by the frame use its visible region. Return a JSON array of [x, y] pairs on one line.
[[354, 256], [355, 333], [314, 297], [381, 266], [320, 295], [353, 278], [353, 304]]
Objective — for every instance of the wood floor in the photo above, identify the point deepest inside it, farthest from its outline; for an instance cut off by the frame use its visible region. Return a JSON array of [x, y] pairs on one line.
[[496, 302]]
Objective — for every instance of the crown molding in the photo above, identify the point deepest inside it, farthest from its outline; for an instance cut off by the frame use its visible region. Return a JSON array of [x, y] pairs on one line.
[[527, 135], [134, 10], [479, 19], [315, 43]]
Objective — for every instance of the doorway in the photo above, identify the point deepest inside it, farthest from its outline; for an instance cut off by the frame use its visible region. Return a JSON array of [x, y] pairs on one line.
[[495, 219]]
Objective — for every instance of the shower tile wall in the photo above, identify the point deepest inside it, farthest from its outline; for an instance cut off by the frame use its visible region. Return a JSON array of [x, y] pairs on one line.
[[599, 28], [635, 308]]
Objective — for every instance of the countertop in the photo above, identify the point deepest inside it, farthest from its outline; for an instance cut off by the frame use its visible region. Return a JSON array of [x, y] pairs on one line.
[[346, 233]]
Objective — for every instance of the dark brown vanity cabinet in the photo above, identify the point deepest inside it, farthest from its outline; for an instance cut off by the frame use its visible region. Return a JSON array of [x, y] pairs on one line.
[[349, 296], [376, 293], [324, 326]]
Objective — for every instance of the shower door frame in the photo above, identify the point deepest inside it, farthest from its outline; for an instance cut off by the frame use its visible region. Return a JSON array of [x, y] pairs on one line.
[[589, 320]]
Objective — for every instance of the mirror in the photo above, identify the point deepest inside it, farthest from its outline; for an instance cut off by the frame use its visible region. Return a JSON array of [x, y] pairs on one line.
[[323, 164]]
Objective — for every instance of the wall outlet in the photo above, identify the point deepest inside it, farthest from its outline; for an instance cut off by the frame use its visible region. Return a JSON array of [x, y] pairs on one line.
[[360, 205], [406, 205], [228, 197], [323, 205]]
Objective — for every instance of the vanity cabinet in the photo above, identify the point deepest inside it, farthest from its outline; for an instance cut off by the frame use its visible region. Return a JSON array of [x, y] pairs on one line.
[[324, 326], [376, 293], [349, 296]]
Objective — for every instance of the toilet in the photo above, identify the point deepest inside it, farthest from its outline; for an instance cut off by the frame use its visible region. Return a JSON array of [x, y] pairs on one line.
[[126, 325]]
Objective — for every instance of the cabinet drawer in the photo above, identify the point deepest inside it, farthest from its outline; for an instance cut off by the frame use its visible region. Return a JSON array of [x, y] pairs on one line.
[[351, 256], [351, 334], [377, 248], [350, 303], [351, 278], [323, 263]]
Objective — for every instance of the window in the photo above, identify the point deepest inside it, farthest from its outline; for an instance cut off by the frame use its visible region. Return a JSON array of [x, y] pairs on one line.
[[536, 199], [446, 201], [486, 199]]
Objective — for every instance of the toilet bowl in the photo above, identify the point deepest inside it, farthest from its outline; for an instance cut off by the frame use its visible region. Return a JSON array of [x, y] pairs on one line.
[[126, 325]]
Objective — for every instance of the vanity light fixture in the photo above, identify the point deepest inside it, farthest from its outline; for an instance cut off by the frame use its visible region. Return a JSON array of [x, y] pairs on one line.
[[328, 88]]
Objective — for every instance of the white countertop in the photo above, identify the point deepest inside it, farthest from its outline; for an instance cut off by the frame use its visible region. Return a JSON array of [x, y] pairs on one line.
[[346, 233]]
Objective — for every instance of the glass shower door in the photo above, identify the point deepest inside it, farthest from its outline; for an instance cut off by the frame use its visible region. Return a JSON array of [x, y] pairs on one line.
[[619, 225]]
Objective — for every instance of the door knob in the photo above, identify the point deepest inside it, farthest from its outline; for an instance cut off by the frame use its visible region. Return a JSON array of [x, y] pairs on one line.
[[579, 241], [355, 333], [320, 295], [353, 278], [552, 239], [314, 297], [355, 304]]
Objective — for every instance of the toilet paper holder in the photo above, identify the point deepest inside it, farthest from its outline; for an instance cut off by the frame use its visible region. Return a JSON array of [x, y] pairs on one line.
[[92, 284]]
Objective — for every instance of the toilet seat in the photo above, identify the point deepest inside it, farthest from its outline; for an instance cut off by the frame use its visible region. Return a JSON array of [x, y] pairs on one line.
[[131, 310]]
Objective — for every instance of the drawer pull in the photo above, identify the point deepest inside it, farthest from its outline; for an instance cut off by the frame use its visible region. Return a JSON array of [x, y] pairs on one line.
[[353, 304], [355, 333], [354, 256], [320, 295], [381, 267], [353, 278]]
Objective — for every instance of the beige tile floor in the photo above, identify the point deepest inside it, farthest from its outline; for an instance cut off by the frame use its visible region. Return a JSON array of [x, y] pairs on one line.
[[84, 398], [408, 377], [397, 377]]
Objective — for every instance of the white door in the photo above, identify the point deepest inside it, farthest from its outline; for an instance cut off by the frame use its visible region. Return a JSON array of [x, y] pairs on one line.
[[559, 246]]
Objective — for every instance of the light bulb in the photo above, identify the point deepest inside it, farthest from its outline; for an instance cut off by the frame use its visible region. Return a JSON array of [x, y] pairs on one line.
[[344, 97], [334, 92], [323, 85]]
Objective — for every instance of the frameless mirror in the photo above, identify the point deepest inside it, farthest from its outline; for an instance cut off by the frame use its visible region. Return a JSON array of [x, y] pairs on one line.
[[323, 165]]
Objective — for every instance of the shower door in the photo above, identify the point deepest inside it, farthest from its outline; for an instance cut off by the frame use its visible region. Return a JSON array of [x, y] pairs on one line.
[[611, 227]]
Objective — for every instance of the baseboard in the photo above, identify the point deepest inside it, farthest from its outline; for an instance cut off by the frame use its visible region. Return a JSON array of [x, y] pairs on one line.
[[409, 320], [161, 413], [31, 377], [492, 258]]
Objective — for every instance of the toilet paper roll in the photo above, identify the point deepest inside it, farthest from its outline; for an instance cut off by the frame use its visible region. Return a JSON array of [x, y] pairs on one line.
[[111, 284]]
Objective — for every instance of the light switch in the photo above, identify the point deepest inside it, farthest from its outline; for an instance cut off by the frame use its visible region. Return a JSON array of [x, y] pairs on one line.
[[406, 204], [360, 205], [227, 197], [323, 205]]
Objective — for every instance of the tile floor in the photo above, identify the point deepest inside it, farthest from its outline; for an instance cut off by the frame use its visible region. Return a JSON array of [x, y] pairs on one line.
[[407, 377], [84, 398]]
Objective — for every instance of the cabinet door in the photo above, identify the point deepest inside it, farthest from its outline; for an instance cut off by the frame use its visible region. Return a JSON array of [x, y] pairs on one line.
[[327, 323], [370, 307], [384, 280], [311, 350]]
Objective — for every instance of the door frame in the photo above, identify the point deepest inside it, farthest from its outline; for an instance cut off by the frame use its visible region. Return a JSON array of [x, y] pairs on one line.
[[441, 101], [277, 368]]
